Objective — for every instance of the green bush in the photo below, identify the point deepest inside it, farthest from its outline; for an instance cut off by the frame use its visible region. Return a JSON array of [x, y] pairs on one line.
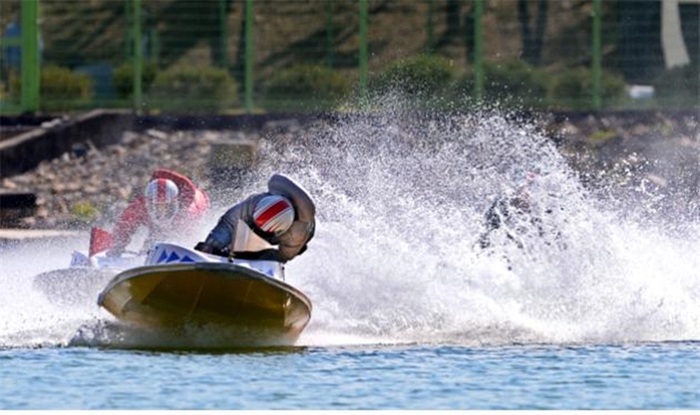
[[4, 92], [573, 88], [679, 86], [57, 83], [423, 75], [514, 82], [123, 78], [192, 88], [60, 88], [83, 212], [306, 85]]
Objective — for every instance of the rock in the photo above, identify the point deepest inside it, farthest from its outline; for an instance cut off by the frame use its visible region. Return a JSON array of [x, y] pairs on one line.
[[58, 188], [124, 192], [9, 184], [153, 133]]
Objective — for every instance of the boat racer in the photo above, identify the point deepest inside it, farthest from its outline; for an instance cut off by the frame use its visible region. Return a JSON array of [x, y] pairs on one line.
[[513, 214], [170, 203], [273, 225]]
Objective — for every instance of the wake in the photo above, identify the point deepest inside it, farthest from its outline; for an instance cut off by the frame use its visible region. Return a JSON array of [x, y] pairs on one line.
[[402, 205]]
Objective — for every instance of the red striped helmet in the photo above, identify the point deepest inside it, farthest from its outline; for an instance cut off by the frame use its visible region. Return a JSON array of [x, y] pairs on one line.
[[161, 200], [273, 214]]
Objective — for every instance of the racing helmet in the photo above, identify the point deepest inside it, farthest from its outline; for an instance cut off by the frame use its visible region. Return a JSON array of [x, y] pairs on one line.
[[273, 214], [162, 201]]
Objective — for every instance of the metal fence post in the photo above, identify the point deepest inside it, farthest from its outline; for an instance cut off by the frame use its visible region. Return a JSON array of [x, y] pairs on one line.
[[363, 49], [138, 55], [31, 72], [249, 55], [597, 58], [478, 50]]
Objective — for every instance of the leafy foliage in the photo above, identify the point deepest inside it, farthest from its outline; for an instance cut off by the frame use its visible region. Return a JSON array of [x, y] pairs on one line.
[[193, 88], [123, 78], [514, 81], [416, 76], [573, 88], [57, 82], [84, 211], [310, 85]]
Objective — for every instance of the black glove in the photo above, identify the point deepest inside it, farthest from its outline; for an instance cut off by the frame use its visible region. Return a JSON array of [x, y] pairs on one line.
[[204, 247], [208, 249]]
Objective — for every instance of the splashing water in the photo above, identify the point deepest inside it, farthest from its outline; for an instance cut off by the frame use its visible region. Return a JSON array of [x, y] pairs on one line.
[[27, 317], [401, 202], [401, 207]]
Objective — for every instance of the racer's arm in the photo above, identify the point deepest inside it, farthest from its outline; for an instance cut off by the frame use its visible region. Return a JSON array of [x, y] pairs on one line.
[[220, 239], [133, 216], [295, 240]]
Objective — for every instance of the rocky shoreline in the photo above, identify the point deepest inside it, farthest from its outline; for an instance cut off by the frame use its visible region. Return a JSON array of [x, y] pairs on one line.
[[90, 185]]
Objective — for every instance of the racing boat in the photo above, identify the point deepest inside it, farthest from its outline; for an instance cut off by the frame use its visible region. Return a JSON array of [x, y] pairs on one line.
[[182, 290], [87, 274]]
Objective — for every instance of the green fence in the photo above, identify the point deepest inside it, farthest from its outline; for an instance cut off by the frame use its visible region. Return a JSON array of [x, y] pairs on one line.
[[266, 55]]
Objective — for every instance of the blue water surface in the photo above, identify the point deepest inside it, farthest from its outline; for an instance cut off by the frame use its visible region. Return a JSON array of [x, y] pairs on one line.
[[637, 376]]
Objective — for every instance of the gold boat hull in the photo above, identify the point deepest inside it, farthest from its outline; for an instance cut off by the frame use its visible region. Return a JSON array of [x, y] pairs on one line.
[[251, 308]]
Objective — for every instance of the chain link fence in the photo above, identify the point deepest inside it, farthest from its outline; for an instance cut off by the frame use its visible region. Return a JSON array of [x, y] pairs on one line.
[[268, 55]]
